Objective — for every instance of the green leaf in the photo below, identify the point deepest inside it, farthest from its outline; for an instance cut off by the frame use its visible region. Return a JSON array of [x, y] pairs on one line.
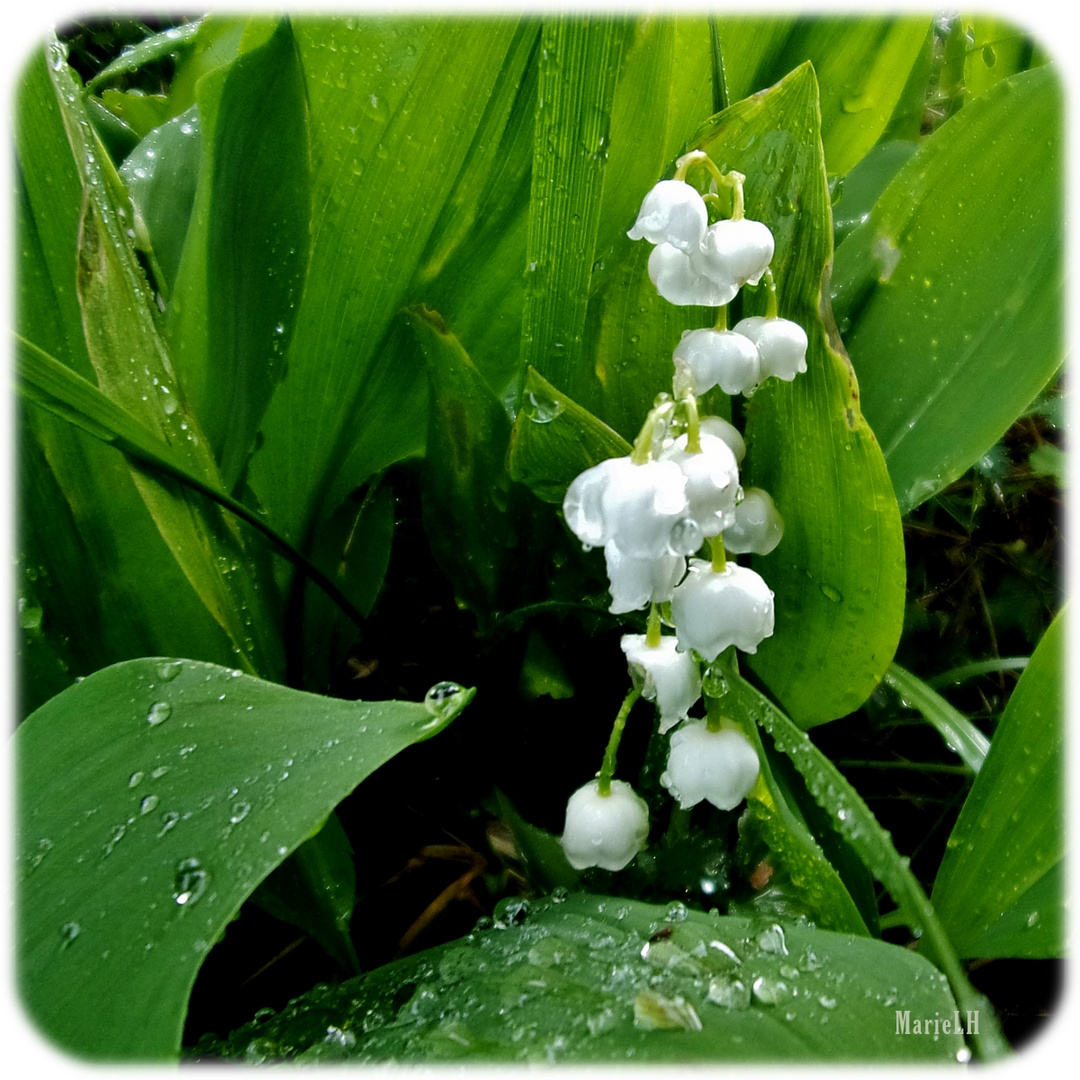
[[1001, 887], [838, 573], [996, 49], [155, 47], [862, 187], [139, 112], [161, 175], [381, 96], [960, 734], [854, 821], [579, 61], [862, 66], [232, 313], [554, 439], [465, 482], [956, 275], [153, 797], [541, 854], [581, 981], [315, 889]]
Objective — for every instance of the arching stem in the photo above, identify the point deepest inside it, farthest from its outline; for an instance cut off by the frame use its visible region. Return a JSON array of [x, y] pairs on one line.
[[607, 769]]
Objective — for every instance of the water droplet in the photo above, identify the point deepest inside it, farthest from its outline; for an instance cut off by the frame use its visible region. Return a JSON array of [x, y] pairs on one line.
[[827, 1002], [159, 712], [240, 810], [190, 883], [770, 991], [148, 804], [686, 536], [159, 772], [117, 836], [830, 592], [542, 409], [441, 698], [963, 1055], [511, 911], [170, 670], [1033, 918], [729, 991], [68, 933], [167, 822], [135, 779], [654, 1012], [676, 912], [559, 894], [771, 940]]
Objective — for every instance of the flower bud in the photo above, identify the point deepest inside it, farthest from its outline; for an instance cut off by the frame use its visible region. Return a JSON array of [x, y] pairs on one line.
[[758, 526], [668, 677], [729, 433], [637, 582], [718, 766], [719, 358], [716, 609], [604, 830], [712, 482], [672, 213], [781, 344], [680, 281], [736, 252]]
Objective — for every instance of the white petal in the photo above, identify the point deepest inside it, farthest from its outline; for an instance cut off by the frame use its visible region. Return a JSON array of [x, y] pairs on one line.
[[737, 251], [718, 766], [679, 280], [673, 213], [781, 344], [719, 358], [712, 481], [605, 831], [583, 502], [637, 582], [714, 610], [670, 678], [639, 506], [758, 526]]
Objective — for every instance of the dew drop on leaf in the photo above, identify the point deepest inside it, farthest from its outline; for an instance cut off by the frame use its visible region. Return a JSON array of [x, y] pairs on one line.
[[68, 933], [159, 712], [190, 882], [440, 699]]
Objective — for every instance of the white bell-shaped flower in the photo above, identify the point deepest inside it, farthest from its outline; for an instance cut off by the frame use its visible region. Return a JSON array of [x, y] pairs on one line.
[[679, 279], [719, 358], [758, 526], [718, 766], [712, 482], [672, 213], [736, 252], [637, 582], [670, 678], [728, 432], [716, 609], [634, 505], [604, 830], [781, 344]]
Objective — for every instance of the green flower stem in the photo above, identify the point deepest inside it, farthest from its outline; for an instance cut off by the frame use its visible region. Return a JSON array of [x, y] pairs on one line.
[[607, 769], [721, 318], [714, 720], [693, 425], [719, 557], [652, 627], [733, 180], [643, 443], [772, 305]]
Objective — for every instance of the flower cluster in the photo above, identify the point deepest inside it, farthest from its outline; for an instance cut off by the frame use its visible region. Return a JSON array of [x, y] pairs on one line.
[[676, 497]]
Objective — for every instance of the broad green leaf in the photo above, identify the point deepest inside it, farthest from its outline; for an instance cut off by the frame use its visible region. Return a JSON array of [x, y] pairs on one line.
[[956, 275], [838, 573], [602, 980], [315, 889], [1001, 887], [139, 112], [554, 439], [465, 482], [862, 67], [153, 797], [383, 98], [161, 175], [115, 134], [155, 47], [960, 734], [862, 187], [854, 821], [232, 314], [579, 61]]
